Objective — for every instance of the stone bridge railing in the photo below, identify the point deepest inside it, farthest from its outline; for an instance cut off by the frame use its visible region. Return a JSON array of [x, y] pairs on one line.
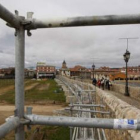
[[133, 91], [119, 109]]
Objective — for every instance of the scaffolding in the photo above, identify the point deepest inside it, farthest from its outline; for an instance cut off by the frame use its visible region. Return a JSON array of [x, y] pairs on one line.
[[21, 24], [82, 110]]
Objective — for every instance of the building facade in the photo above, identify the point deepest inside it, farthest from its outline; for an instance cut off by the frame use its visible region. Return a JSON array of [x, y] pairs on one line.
[[7, 72], [80, 72], [45, 71]]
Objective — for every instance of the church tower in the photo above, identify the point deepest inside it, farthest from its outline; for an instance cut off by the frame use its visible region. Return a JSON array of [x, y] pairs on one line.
[[64, 65]]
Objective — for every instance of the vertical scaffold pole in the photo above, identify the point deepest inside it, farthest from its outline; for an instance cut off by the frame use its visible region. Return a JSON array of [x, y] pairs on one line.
[[19, 78]]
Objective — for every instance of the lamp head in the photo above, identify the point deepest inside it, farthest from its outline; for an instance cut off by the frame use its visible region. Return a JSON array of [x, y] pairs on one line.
[[126, 56], [93, 66]]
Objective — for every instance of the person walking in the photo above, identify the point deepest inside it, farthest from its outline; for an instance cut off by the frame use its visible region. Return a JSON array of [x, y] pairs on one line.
[[99, 83], [109, 84], [94, 82], [102, 83]]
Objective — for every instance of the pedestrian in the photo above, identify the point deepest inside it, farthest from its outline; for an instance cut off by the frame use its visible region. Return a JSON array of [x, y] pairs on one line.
[[109, 84], [102, 83], [99, 83], [94, 82]]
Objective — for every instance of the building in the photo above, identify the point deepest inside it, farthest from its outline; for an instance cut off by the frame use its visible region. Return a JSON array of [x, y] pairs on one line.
[[45, 71], [135, 69], [133, 72], [105, 72], [117, 76], [64, 71], [30, 73], [10, 73], [77, 71], [81, 72], [118, 73], [7, 72]]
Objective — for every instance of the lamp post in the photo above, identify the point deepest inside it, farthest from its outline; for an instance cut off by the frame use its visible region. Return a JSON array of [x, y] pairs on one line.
[[93, 67], [126, 58]]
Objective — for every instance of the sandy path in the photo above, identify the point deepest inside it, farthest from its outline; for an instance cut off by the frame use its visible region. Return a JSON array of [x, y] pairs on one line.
[[31, 86], [7, 110], [11, 87]]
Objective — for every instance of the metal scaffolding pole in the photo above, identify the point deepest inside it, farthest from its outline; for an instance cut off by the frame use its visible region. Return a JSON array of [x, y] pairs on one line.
[[12, 19], [19, 78], [84, 110], [87, 105], [10, 125], [85, 21], [84, 122], [15, 22]]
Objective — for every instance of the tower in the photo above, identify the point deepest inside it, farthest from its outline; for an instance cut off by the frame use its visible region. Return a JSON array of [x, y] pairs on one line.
[[64, 65]]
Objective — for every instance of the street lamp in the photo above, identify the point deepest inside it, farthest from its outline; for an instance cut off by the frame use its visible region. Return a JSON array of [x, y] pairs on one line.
[[93, 67], [126, 58]]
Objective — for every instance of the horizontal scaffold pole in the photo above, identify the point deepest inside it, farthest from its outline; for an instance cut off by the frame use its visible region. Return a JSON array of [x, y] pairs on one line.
[[10, 125], [87, 105], [12, 19], [15, 21], [85, 21], [84, 110], [84, 122]]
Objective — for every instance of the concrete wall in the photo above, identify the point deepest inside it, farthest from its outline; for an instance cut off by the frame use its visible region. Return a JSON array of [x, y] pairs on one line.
[[133, 91]]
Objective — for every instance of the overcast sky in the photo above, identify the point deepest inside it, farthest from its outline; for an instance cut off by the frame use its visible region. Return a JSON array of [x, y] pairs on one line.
[[81, 45]]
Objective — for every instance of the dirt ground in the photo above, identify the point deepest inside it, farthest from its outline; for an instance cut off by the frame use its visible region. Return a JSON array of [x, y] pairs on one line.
[[7, 110], [11, 87], [5, 89], [31, 86], [48, 109], [42, 87]]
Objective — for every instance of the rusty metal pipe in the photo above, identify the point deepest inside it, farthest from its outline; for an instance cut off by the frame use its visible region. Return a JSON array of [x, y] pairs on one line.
[[85, 21]]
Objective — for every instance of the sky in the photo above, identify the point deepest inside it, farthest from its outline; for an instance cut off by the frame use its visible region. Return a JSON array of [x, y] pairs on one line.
[[84, 46]]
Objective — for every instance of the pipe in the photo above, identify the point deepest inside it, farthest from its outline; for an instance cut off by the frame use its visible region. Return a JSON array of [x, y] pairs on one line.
[[10, 125], [84, 110], [19, 79], [99, 135], [87, 105], [84, 122], [69, 121], [103, 133], [85, 21], [12, 19]]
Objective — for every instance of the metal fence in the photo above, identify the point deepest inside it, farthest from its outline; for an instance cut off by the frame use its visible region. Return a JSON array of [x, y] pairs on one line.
[[21, 24]]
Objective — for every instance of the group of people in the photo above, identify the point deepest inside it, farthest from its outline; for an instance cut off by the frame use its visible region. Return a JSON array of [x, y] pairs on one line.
[[103, 83]]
